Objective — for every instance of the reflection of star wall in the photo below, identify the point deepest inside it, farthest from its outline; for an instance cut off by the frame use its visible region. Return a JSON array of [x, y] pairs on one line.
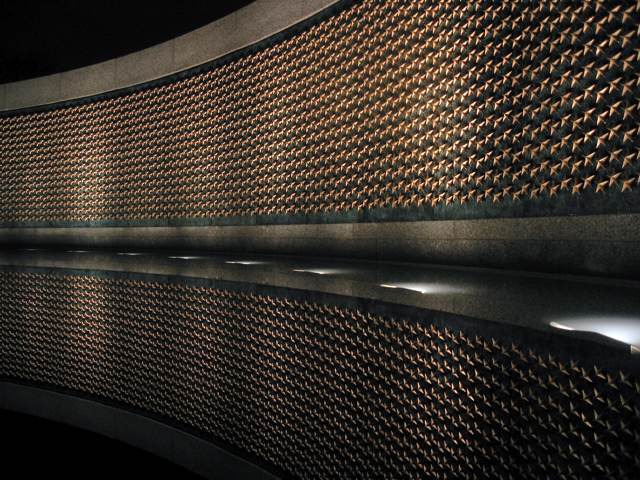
[[385, 105], [321, 390]]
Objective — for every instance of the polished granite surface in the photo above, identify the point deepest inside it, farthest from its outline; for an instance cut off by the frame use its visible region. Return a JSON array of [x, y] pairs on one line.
[[608, 310]]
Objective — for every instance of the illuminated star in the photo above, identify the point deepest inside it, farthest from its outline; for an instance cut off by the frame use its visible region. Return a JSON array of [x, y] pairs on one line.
[[627, 184]]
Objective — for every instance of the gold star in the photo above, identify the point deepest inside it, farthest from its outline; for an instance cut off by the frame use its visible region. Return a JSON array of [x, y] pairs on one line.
[[543, 186], [587, 182], [613, 179], [577, 185], [627, 184], [600, 164], [588, 160], [628, 160], [629, 136], [576, 166]]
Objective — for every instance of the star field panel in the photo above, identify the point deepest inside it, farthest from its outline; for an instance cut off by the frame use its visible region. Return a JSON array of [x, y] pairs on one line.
[[318, 389], [407, 106]]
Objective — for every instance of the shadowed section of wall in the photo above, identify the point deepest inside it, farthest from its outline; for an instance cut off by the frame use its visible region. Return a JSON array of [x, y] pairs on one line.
[[140, 431], [369, 112]]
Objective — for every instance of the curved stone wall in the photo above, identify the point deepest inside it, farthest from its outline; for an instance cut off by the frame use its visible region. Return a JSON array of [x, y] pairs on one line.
[[490, 134], [368, 112]]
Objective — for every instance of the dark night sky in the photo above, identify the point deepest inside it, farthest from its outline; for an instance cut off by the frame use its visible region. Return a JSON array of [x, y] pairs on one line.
[[40, 38]]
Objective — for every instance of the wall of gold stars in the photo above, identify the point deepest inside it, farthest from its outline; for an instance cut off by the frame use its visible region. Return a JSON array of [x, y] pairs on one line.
[[317, 389], [400, 105]]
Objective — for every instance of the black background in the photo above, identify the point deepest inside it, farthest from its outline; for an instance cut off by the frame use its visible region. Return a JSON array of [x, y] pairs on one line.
[[37, 448], [41, 38]]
